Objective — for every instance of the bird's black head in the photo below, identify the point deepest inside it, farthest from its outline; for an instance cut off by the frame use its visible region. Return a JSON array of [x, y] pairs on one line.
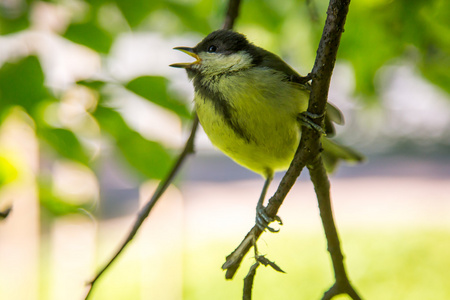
[[222, 51], [223, 42]]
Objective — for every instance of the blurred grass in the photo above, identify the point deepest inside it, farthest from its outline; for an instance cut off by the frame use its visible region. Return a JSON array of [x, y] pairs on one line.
[[383, 263]]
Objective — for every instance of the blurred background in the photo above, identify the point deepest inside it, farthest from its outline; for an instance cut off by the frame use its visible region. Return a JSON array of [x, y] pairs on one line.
[[92, 117]]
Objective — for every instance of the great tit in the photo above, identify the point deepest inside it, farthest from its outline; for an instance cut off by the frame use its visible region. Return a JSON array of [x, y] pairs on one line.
[[251, 103]]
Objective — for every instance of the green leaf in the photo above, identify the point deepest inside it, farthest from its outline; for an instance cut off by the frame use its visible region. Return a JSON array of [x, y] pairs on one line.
[[64, 142], [148, 157], [154, 88], [190, 15], [435, 67], [22, 83], [263, 13], [93, 84], [368, 46], [8, 172], [111, 121], [5, 110], [394, 28], [90, 35], [53, 204], [13, 19], [151, 159], [435, 64], [135, 11]]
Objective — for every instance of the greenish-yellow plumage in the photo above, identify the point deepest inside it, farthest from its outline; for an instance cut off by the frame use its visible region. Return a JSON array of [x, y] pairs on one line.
[[249, 102], [266, 115]]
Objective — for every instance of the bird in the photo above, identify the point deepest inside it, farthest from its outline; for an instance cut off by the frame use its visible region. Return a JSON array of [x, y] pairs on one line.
[[252, 105]]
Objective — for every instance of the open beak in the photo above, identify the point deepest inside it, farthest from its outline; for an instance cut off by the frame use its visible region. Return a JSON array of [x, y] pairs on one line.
[[188, 51]]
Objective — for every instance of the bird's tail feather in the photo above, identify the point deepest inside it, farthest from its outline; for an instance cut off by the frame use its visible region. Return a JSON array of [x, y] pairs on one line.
[[333, 153]]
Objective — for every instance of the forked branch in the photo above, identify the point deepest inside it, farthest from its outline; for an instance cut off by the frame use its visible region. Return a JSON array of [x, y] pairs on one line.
[[308, 154]]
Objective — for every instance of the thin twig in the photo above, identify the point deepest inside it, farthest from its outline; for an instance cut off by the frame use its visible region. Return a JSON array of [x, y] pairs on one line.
[[248, 282], [145, 211], [233, 260], [322, 71], [308, 153], [322, 187], [232, 14]]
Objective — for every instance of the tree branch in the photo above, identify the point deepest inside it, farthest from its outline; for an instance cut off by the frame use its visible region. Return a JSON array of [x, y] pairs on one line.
[[233, 260], [308, 153], [322, 71], [322, 188], [232, 13], [145, 211]]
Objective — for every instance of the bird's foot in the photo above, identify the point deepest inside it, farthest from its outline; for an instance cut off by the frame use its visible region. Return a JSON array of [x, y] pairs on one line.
[[263, 220], [306, 118]]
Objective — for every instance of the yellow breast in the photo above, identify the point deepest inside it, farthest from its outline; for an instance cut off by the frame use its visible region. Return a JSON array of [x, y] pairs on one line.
[[260, 131]]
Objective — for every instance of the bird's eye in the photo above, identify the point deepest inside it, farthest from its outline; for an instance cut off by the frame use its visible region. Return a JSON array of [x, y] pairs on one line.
[[212, 49]]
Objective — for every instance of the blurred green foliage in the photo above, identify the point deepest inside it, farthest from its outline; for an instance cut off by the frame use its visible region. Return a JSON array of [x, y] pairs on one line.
[[64, 142], [8, 172], [150, 158], [377, 32], [90, 35], [155, 89], [22, 83]]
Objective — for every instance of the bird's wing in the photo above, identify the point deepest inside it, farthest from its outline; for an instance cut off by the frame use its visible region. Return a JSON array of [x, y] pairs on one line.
[[334, 114], [273, 61], [334, 152]]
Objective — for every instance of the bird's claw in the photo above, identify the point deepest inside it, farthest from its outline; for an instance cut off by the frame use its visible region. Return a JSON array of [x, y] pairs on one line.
[[263, 220], [306, 118]]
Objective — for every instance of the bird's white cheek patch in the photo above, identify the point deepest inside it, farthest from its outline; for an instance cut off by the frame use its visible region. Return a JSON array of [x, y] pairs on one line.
[[221, 63], [240, 60]]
